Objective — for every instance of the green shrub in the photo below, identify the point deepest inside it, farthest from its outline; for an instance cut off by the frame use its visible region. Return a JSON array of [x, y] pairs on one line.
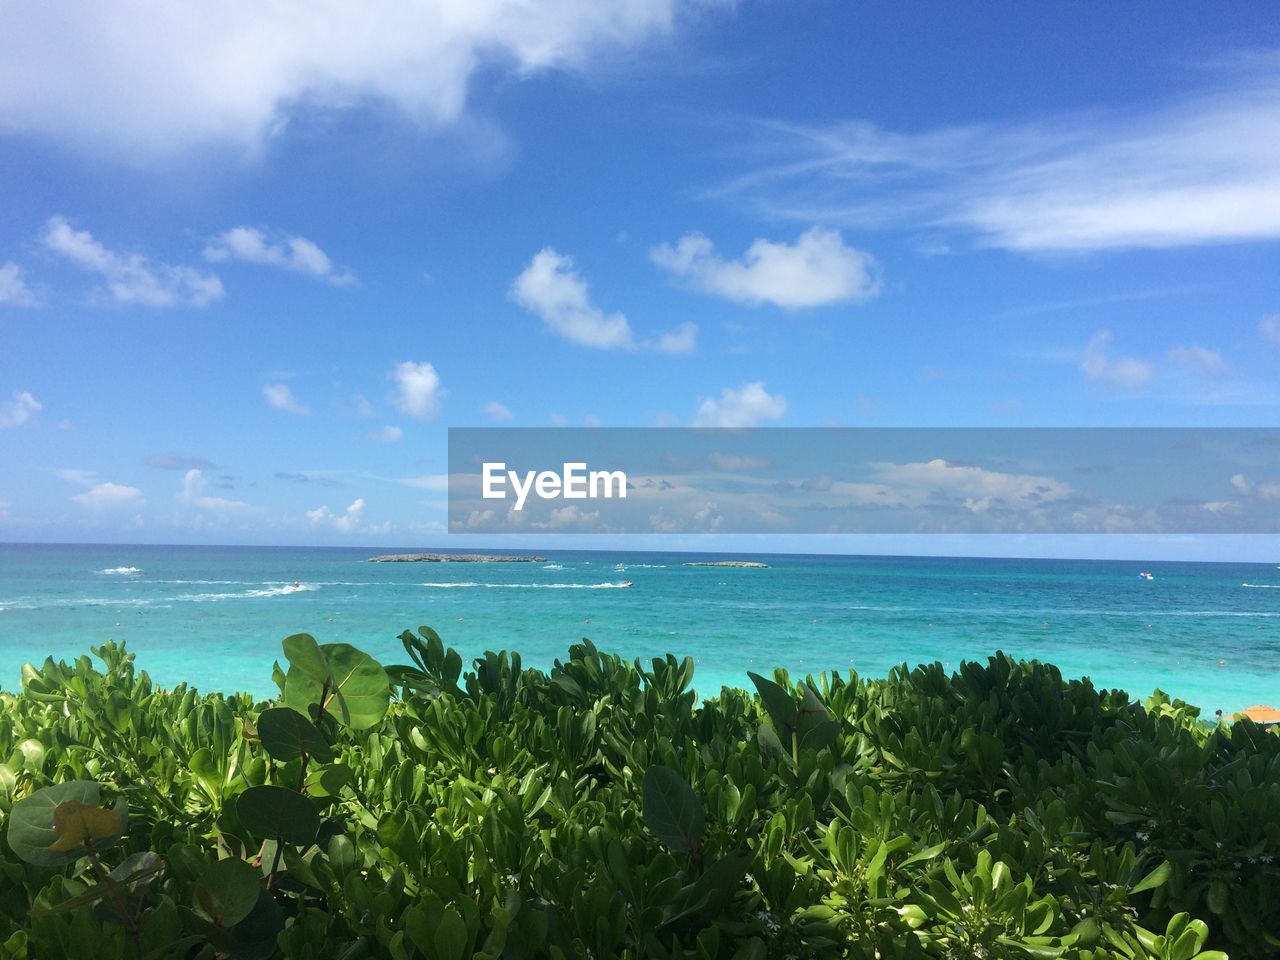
[[600, 810]]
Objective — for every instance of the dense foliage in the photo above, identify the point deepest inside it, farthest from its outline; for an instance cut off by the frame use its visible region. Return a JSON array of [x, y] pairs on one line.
[[599, 810]]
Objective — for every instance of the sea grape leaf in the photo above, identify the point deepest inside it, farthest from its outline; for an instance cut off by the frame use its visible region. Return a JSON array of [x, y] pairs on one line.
[[271, 812], [32, 834], [306, 655], [227, 891], [77, 823], [671, 809], [356, 690], [287, 735]]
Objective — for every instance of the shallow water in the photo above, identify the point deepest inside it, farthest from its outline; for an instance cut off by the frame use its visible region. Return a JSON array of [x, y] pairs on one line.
[[215, 616]]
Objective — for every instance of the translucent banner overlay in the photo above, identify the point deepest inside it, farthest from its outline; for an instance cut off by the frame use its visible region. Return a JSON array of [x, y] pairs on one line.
[[876, 480]]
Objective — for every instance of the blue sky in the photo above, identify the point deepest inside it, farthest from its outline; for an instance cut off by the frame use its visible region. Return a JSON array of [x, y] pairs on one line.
[[254, 263]]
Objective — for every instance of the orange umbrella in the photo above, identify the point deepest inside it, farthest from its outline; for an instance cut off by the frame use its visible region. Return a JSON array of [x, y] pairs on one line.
[[1259, 714]]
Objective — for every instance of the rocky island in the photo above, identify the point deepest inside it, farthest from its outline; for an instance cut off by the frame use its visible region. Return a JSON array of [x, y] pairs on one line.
[[451, 558], [725, 563]]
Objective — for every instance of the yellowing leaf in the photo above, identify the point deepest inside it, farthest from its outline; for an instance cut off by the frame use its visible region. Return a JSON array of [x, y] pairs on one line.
[[77, 823]]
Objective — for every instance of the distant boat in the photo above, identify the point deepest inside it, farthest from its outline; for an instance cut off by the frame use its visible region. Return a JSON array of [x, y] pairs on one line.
[[1146, 576], [620, 567]]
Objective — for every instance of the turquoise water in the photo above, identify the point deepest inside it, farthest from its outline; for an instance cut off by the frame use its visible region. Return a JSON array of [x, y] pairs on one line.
[[215, 616]]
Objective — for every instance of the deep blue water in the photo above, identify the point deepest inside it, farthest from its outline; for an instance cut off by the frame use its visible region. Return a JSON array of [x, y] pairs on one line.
[[214, 616]]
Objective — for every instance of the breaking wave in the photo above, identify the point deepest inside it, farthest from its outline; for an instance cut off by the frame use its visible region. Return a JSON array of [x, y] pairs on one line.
[[529, 586]]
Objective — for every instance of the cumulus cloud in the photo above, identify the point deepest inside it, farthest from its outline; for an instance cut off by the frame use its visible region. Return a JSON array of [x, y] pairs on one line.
[[236, 72], [253, 245], [1198, 360], [131, 278], [748, 406], [81, 478], [281, 397], [816, 270], [108, 494], [418, 389], [1203, 168], [1269, 329], [550, 288], [350, 520], [18, 410], [13, 288], [388, 434], [1266, 490], [192, 493], [497, 412], [1097, 364]]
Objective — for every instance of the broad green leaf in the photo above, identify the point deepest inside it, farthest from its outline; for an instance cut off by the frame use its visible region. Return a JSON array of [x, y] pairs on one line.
[[287, 735], [778, 703], [305, 655], [672, 810], [1156, 878], [227, 891], [271, 812], [357, 692]]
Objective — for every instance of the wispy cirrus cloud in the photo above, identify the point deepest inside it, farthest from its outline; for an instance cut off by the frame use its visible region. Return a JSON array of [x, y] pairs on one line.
[[1197, 170], [131, 278]]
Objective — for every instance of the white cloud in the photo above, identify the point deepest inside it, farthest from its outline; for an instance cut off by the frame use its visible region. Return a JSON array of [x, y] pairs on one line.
[[682, 340], [1266, 490], [281, 397], [149, 78], [192, 492], [13, 288], [109, 494], [349, 521], [388, 434], [816, 270], [252, 245], [1269, 329], [1097, 364], [16, 412], [497, 412], [418, 390], [552, 289], [748, 406], [978, 488], [1198, 360], [1195, 170], [132, 278]]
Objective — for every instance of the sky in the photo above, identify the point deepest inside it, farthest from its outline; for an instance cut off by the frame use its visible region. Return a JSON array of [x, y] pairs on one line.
[[255, 260]]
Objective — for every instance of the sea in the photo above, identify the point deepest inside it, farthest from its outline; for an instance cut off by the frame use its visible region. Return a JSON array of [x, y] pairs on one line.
[[214, 617]]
